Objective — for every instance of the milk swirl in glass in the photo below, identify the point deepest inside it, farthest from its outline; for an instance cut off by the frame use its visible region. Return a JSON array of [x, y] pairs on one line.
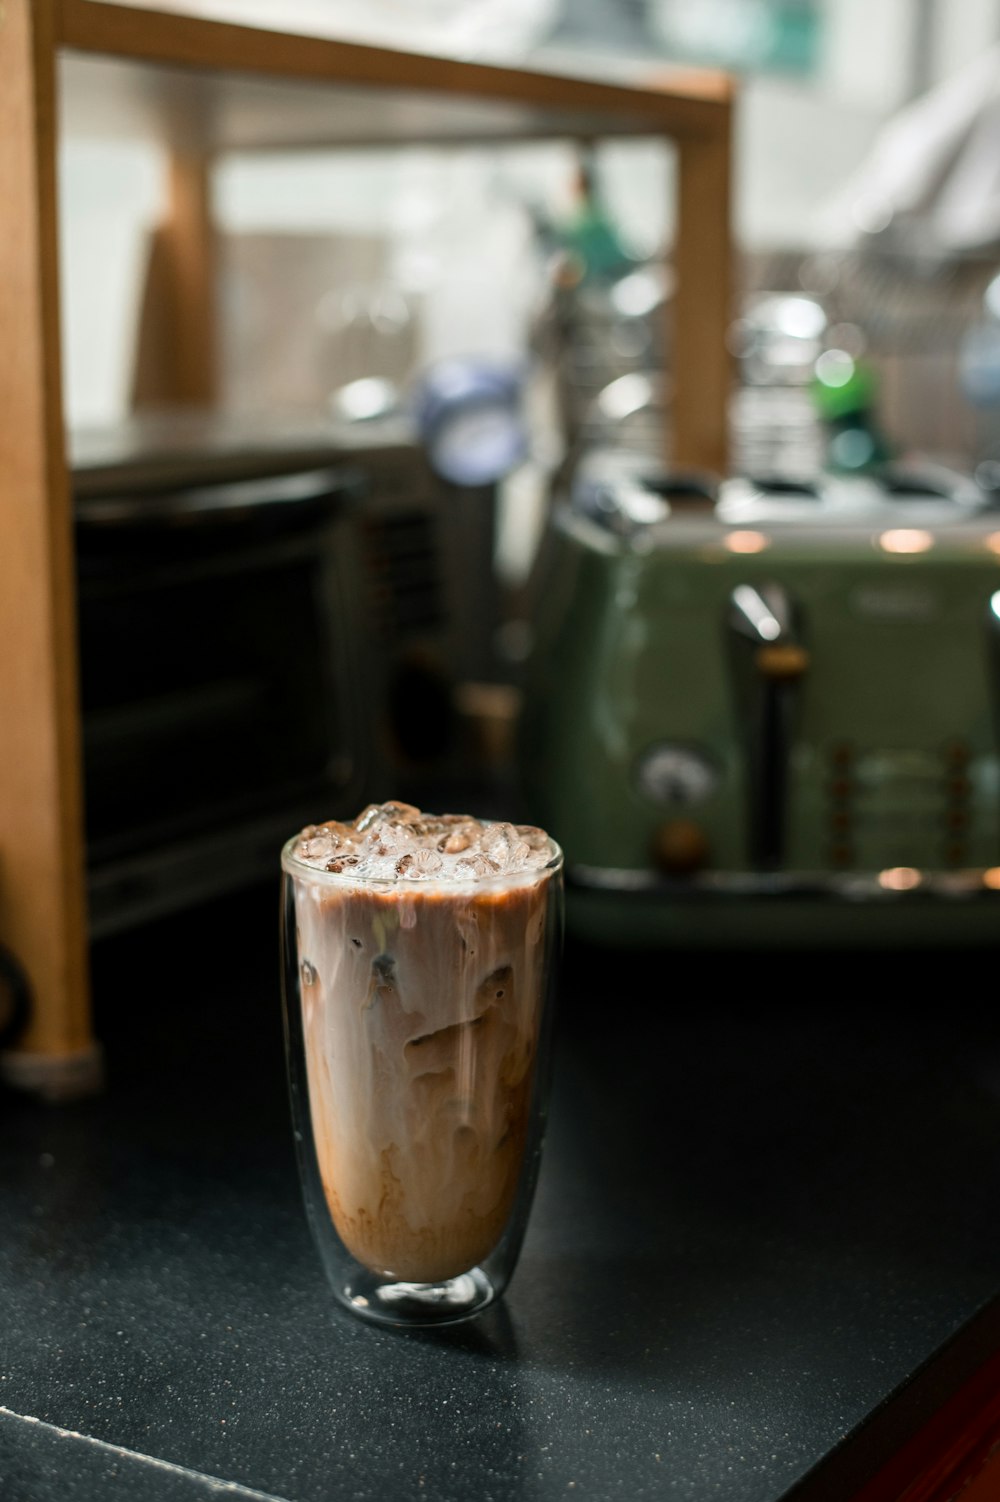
[[418, 965]]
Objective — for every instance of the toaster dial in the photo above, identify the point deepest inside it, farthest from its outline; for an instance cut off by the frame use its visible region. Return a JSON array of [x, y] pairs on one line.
[[676, 775]]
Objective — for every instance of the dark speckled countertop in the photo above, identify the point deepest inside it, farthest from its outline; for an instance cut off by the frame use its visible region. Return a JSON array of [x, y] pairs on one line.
[[765, 1247]]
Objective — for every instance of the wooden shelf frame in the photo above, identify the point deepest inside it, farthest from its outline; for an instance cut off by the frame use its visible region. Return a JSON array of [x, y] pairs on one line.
[[204, 87], [676, 104]]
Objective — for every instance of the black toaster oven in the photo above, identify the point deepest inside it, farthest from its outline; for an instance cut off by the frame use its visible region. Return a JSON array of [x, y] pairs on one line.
[[273, 621]]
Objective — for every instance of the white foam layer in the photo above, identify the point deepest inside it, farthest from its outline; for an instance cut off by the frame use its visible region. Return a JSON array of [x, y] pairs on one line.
[[390, 842]]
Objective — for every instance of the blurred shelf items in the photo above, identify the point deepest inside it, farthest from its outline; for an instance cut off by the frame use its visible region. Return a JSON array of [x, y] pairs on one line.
[[216, 622]]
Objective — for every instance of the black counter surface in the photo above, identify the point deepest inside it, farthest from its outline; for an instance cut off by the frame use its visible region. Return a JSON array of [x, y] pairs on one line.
[[765, 1246]]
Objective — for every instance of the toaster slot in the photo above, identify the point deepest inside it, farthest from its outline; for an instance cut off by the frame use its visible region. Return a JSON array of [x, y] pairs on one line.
[[785, 487], [768, 664]]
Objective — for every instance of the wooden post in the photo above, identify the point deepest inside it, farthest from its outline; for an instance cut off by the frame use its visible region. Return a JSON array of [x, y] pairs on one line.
[[177, 356], [704, 303], [42, 913]]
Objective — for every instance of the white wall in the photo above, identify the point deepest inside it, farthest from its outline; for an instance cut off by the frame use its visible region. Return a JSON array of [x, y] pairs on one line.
[[962, 30], [109, 196], [795, 147]]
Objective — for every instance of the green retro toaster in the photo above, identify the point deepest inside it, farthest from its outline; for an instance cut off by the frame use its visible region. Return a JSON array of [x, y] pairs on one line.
[[768, 712]]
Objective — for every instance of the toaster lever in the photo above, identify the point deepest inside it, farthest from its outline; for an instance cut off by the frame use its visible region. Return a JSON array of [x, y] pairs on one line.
[[768, 662], [761, 619]]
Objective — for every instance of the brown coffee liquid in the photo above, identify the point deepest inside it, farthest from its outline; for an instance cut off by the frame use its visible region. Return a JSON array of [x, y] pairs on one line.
[[421, 1010]]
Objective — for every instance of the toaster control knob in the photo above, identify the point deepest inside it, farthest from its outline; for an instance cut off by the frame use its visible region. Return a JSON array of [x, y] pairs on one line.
[[672, 773], [680, 847], [781, 660]]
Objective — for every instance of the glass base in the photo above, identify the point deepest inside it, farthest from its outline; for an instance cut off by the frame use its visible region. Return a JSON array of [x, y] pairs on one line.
[[411, 1305]]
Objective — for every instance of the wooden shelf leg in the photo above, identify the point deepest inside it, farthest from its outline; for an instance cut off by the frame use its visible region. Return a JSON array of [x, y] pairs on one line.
[[704, 302], [42, 910]]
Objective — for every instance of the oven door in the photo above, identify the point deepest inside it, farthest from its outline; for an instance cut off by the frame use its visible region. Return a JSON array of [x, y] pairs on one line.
[[221, 683]]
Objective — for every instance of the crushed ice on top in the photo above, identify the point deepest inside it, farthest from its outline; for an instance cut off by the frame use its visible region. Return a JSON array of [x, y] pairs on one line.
[[393, 841]]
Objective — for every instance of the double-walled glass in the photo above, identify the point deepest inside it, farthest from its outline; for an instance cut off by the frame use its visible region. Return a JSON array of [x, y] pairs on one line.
[[418, 1021]]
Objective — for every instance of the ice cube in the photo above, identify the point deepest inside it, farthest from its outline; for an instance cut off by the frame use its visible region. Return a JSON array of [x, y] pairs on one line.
[[319, 847], [398, 837], [533, 837], [393, 840], [425, 863], [520, 854], [341, 863], [496, 842], [456, 841], [399, 813], [536, 859]]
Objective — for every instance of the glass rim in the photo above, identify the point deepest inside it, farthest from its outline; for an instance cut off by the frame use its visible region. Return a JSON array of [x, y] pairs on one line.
[[293, 866]]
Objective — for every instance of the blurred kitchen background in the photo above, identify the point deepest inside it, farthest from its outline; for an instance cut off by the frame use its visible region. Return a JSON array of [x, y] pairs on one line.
[[867, 229], [348, 265]]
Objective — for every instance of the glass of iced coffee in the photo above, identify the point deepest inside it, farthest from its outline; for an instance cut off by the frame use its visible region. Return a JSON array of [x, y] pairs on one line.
[[418, 961]]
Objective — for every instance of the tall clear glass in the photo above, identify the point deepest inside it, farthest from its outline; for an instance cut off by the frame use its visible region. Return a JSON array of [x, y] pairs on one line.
[[418, 1023]]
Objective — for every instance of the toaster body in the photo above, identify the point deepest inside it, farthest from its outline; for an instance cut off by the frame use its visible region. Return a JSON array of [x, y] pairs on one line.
[[771, 714]]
